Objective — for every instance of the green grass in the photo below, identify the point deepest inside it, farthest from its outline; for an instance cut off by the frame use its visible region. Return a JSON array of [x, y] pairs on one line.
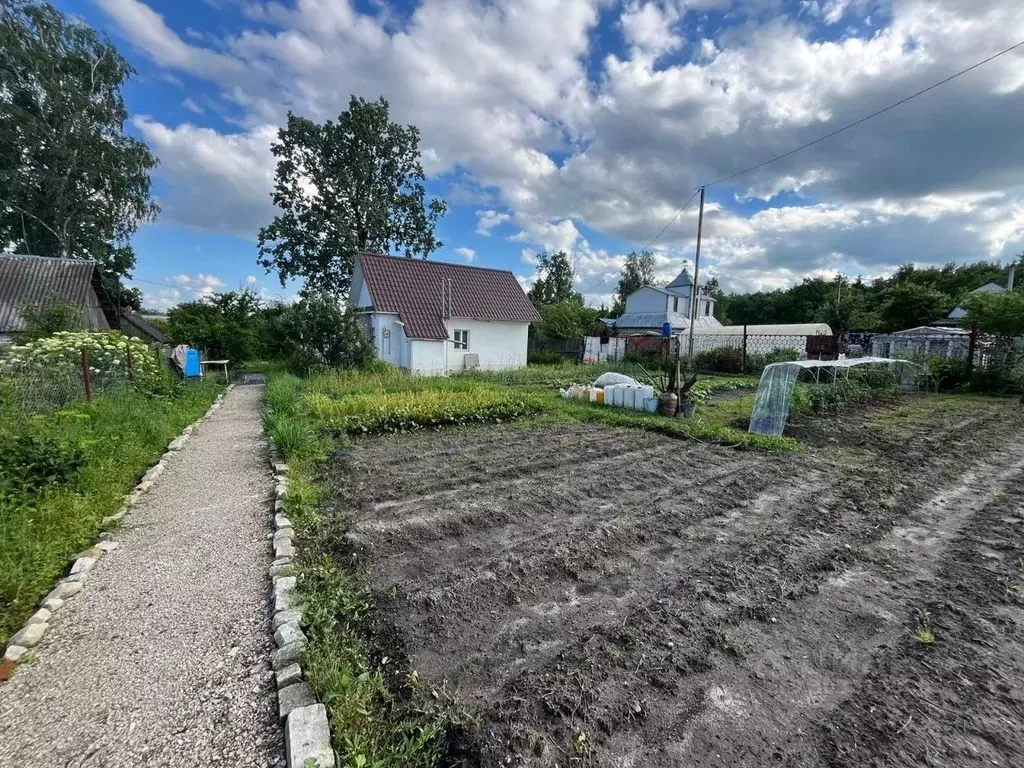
[[41, 529], [379, 714]]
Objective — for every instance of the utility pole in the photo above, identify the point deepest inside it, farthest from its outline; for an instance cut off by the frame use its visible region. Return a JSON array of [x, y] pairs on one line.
[[694, 294]]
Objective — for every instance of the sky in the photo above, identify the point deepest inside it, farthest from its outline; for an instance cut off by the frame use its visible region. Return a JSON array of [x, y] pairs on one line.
[[585, 125]]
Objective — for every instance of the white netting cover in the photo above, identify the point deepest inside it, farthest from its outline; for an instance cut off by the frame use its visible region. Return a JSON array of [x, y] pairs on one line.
[[775, 392]]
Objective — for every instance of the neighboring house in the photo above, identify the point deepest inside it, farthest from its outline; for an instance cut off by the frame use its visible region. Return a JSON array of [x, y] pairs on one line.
[[649, 308], [959, 313], [36, 278], [432, 317]]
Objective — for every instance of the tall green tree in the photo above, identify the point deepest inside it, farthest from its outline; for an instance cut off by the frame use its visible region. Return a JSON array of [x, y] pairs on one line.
[[908, 305], [345, 186], [72, 183], [637, 272], [1001, 313], [555, 282], [226, 325]]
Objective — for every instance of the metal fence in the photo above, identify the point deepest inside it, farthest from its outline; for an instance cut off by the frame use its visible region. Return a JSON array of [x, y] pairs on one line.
[[570, 348], [739, 353], [32, 386]]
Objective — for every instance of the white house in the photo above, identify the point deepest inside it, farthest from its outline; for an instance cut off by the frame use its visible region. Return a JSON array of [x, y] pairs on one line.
[[959, 313], [432, 317], [649, 308]]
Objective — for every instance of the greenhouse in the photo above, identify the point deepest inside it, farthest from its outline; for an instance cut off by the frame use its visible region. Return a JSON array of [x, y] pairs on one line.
[[778, 383]]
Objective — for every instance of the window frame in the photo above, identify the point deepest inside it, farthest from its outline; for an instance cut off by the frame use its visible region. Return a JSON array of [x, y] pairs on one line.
[[675, 303], [464, 343]]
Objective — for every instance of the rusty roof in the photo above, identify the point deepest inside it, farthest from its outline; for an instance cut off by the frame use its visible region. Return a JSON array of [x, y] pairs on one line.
[[33, 278], [411, 288]]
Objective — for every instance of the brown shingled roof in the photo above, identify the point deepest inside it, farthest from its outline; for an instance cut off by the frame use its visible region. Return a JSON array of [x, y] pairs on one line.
[[411, 288]]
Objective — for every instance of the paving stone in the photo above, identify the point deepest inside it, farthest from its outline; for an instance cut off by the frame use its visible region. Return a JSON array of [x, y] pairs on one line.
[[294, 696], [30, 635], [107, 546], [288, 676], [282, 561], [52, 604], [280, 468], [291, 616], [95, 553], [42, 616], [283, 593], [307, 738], [112, 520], [287, 634], [280, 521], [81, 577], [282, 570], [64, 590], [15, 652], [106, 536], [144, 486], [83, 565], [285, 535], [282, 657], [283, 549], [279, 505]]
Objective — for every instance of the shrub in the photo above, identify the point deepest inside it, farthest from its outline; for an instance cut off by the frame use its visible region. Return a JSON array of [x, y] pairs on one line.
[[721, 359], [33, 461], [324, 336]]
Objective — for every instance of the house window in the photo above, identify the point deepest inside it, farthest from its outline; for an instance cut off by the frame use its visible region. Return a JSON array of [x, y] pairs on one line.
[[707, 308], [462, 339], [675, 304]]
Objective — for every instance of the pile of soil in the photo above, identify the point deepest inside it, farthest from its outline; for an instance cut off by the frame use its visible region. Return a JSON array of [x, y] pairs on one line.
[[601, 597]]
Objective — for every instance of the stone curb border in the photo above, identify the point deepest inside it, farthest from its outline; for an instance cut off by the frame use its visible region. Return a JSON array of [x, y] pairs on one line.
[[30, 635], [307, 734]]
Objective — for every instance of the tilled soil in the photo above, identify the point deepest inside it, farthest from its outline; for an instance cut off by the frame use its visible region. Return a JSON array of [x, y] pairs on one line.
[[619, 598]]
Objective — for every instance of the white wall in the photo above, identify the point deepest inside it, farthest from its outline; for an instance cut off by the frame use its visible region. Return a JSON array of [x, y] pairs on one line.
[[500, 345], [391, 348], [649, 300]]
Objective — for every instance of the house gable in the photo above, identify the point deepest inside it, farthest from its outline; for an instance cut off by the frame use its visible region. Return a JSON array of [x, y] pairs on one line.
[[424, 293]]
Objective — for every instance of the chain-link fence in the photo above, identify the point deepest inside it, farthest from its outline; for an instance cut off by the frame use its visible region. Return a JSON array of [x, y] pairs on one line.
[[738, 353], [43, 386], [959, 359]]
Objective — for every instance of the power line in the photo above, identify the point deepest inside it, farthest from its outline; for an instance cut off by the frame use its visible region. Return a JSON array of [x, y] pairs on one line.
[[670, 222], [836, 132], [651, 241], [855, 123]]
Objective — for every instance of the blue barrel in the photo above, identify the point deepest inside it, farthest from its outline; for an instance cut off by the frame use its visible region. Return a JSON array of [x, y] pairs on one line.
[[666, 329], [192, 368]]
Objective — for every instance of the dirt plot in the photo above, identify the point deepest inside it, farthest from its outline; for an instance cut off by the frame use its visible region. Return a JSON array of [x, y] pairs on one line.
[[617, 598]]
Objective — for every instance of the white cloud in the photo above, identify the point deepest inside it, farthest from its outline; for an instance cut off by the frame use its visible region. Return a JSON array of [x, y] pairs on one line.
[[251, 280], [191, 106], [488, 220], [467, 253], [510, 95]]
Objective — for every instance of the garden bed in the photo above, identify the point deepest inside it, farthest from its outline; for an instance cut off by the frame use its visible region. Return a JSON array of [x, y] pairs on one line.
[[612, 597]]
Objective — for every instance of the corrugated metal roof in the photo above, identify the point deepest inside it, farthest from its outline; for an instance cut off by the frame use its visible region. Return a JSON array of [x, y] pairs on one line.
[[411, 288], [33, 278]]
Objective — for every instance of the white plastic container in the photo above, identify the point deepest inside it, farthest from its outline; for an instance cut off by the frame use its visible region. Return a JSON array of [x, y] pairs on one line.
[[651, 404], [629, 398], [593, 394], [618, 393]]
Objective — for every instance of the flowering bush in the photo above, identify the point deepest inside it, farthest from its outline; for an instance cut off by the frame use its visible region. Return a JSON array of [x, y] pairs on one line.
[[113, 359]]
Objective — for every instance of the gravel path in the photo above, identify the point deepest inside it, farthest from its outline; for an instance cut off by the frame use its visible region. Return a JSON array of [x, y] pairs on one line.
[[163, 659]]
